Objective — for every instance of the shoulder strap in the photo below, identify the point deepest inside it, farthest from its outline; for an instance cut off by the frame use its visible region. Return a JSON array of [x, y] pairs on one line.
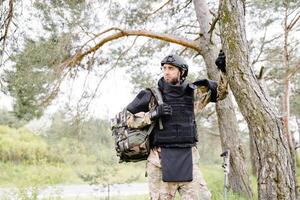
[[158, 96]]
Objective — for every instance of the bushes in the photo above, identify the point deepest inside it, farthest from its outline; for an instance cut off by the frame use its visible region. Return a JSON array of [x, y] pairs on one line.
[[21, 145]]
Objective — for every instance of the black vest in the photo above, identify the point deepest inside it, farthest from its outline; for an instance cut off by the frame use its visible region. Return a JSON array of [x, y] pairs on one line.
[[179, 129]]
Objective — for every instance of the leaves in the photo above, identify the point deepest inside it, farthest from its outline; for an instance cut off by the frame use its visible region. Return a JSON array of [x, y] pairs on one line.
[[33, 73]]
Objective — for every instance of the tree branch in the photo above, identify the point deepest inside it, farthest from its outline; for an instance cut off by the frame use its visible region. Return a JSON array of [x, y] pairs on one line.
[[119, 33], [7, 22], [293, 22], [294, 71], [257, 59], [261, 49], [212, 27], [161, 7], [261, 73], [103, 76], [188, 2]]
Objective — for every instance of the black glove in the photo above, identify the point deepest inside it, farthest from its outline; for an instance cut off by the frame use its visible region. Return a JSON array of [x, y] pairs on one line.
[[221, 61], [201, 82], [161, 110]]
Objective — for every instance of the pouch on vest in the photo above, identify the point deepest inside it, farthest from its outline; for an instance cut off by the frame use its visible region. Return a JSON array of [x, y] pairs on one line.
[[177, 164]]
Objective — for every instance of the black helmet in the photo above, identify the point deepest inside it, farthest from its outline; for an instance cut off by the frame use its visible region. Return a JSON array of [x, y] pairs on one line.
[[177, 61]]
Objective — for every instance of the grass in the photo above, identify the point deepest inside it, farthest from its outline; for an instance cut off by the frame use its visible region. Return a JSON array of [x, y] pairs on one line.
[[12, 174], [214, 177], [42, 174], [41, 164], [136, 197]]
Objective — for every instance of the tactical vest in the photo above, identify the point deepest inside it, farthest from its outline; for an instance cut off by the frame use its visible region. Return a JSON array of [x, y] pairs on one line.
[[179, 129]]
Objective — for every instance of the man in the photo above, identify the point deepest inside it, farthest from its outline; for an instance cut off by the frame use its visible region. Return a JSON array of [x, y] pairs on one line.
[[173, 161]]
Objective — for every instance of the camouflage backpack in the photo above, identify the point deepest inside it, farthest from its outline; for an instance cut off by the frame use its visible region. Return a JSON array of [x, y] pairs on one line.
[[132, 145]]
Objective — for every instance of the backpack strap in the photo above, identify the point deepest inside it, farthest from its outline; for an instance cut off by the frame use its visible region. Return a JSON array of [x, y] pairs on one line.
[[158, 96]]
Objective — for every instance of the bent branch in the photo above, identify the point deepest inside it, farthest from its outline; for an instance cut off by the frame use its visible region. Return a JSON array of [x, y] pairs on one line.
[[119, 33]]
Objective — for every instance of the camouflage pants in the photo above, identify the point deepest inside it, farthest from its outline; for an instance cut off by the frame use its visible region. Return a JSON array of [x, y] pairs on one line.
[[159, 190]]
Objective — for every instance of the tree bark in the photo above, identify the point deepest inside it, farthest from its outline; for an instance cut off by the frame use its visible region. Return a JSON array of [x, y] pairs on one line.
[[228, 126], [276, 172]]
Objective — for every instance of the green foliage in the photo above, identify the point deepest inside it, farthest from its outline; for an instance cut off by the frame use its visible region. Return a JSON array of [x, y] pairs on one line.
[[295, 97], [92, 133], [29, 82], [58, 14], [295, 105], [8, 118], [20, 145], [276, 5]]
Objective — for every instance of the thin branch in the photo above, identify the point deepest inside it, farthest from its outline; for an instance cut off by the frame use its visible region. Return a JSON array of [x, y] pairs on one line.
[[213, 24], [293, 22], [210, 114], [213, 14], [158, 9], [294, 10], [105, 75], [212, 27], [192, 33], [185, 25], [257, 59], [294, 71], [261, 49], [86, 32], [98, 85], [101, 33], [7, 22], [54, 90], [186, 5], [261, 73]]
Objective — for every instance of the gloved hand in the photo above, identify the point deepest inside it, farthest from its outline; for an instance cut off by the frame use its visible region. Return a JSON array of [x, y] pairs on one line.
[[161, 110], [201, 82], [221, 61]]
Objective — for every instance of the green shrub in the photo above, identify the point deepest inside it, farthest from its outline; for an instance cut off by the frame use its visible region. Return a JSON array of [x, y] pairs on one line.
[[21, 145]]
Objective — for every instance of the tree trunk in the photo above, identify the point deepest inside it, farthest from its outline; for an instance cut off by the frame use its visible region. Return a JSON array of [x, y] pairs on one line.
[[276, 169], [228, 126], [286, 97], [253, 155]]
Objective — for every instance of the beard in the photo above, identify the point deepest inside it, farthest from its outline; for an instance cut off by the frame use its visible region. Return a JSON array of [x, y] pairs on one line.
[[173, 81]]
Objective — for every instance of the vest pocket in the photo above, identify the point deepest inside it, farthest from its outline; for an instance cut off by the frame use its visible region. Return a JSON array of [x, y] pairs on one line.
[[180, 134], [186, 134]]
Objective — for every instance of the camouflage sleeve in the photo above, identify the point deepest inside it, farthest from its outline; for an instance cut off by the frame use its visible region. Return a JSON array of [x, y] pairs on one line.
[[211, 93], [138, 120], [202, 98], [222, 89], [141, 119]]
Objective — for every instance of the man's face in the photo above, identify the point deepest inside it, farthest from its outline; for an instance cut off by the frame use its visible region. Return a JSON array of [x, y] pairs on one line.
[[171, 74]]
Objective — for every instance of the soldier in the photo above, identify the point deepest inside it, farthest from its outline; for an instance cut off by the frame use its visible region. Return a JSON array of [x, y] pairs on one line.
[[172, 164]]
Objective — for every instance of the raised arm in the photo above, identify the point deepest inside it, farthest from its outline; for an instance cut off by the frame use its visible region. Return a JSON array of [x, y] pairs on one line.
[[209, 90]]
